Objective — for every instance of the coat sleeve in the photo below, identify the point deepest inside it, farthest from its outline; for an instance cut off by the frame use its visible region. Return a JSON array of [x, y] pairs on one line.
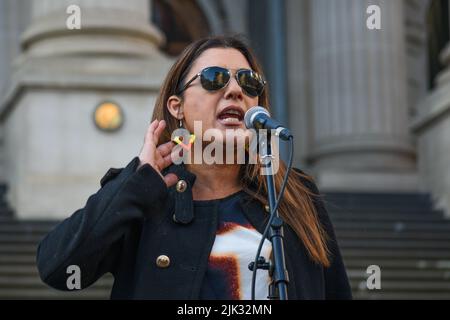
[[337, 286], [91, 238]]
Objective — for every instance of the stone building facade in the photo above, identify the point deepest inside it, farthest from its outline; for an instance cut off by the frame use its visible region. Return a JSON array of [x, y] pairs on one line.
[[368, 108]]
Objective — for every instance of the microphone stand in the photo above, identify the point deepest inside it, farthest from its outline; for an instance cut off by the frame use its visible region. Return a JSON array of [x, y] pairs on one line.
[[277, 269]]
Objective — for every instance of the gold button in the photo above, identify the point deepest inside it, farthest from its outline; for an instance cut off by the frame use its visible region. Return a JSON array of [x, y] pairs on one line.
[[267, 208], [181, 186], [163, 261]]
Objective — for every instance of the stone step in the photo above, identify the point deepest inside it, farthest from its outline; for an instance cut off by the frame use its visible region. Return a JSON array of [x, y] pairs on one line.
[[15, 238], [7, 219], [36, 282], [388, 200], [31, 271], [385, 217], [18, 259], [413, 275], [400, 295], [24, 229], [40, 294], [30, 249], [385, 235], [392, 244], [28, 224], [410, 286], [361, 210], [397, 264], [393, 226], [393, 254], [18, 270]]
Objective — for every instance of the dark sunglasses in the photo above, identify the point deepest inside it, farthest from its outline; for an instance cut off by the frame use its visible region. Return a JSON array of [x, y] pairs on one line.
[[216, 78]]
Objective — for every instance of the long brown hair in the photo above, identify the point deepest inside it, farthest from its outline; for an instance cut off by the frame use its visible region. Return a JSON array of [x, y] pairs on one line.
[[297, 208]]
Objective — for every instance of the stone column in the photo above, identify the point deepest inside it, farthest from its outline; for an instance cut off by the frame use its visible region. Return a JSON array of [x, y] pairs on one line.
[[55, 153], [14, 18], [298, 42], [361, 139], [107, 27], [432, 127]]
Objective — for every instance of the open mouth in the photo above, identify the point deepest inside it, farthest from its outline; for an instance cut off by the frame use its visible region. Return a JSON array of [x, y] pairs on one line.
[[231, 116]]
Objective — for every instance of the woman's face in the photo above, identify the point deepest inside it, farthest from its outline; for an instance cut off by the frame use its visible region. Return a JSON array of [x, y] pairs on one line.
[[209, 107]]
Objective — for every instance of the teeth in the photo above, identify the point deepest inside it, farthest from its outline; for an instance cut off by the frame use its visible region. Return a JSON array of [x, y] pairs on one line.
[[230, 120], [234, 112]]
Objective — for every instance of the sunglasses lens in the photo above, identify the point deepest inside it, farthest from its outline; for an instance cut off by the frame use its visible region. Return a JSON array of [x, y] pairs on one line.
[[251, 82], [214, 78]]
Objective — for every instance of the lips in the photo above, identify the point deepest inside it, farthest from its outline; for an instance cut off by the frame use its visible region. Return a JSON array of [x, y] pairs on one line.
[[231, 115]]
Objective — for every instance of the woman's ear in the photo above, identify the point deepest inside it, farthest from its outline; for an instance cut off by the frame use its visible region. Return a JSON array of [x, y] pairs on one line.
[[175, 107]]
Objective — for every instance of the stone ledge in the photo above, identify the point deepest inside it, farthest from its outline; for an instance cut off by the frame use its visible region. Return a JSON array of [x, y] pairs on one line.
[[401, 182], [86, 74], [102, 20]]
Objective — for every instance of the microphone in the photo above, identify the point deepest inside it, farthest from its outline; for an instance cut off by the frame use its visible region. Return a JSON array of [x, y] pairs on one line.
[[259, 118]]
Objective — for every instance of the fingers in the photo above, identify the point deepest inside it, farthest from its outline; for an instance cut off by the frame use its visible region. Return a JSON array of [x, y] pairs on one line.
[[158, 130], [158, 157], [170, 179], [149, 135], [165, 148], [151, 138], [163, 152], [163, 162], [167, 160], [154, 131]]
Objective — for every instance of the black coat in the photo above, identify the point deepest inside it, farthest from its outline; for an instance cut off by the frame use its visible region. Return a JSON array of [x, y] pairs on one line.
[[134, 219]]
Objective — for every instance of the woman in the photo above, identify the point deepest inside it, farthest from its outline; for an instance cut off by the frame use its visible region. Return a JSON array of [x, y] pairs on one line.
[[188, 231]]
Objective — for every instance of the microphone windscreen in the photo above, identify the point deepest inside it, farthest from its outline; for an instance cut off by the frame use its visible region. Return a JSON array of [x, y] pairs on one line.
[[251, 113]]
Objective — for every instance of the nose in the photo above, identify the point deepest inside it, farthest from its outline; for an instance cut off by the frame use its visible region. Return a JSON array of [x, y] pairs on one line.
[[233, 90]]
